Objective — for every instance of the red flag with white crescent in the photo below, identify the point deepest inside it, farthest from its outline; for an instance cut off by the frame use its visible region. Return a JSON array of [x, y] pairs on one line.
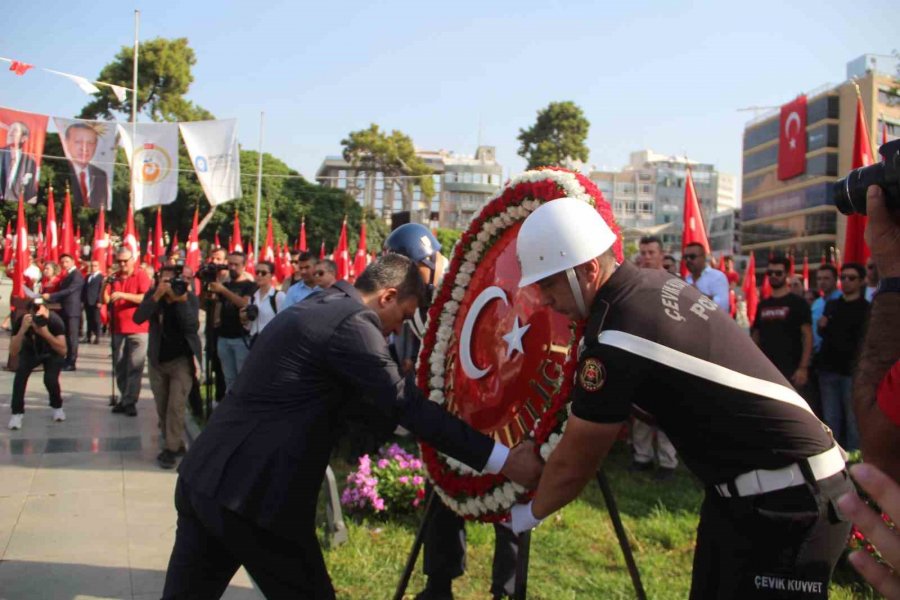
[[67, 243], [51, 250], [130, 239], [159, 243], [792, 139], [694, 231], [751, 295], [192, 254], [268, 252], [101, 243], [342, 255], [235, 244], [22, 254], [362, 257], [855, 248]]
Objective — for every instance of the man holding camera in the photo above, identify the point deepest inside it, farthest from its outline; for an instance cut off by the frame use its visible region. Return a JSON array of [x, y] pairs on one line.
[[233, 344], [38, 340], [173, 314], [69, 297], [126, 291]]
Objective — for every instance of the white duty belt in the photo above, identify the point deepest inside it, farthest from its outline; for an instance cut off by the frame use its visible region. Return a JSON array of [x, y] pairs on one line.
[[761, 481]]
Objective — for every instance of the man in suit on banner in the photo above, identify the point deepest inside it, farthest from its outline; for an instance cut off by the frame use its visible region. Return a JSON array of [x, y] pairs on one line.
[[18, 170], [89, 183], [69, 297]]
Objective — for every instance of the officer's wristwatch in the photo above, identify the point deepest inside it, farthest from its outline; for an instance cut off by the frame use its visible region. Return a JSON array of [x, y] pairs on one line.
[[888, 284]]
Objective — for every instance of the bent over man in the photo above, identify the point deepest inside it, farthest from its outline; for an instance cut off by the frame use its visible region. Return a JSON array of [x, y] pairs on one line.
[[769, 526]]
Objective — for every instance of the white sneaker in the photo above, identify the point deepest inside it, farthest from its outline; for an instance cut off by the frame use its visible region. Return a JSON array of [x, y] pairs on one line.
[[59, 415], [16, 422]]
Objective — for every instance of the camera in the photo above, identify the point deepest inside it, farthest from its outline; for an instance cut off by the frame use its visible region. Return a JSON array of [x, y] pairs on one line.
[[251, 311], [179, 285], [209, 272], [37, 320], [849, 193]]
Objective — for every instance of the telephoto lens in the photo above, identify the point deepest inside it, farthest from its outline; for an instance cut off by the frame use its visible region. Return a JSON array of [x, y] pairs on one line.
[[251, 311], [849, 193], [179, 286], [40, 321]]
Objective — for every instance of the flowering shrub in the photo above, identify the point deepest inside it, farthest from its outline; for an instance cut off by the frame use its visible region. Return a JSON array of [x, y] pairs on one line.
[[392, 481]]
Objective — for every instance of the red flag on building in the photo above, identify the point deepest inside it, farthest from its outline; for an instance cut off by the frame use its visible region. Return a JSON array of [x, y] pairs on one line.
[[362, 257], [101, 242], [67, 243], [301, 242], [268, 252], [751, 296], [805, 272], [51, 248], [235, 244], [322, 251], [22, 256], [192, 255], [159, 242], [694, 232], [792, 139], [855, 248], [8, 244], [130, 240]]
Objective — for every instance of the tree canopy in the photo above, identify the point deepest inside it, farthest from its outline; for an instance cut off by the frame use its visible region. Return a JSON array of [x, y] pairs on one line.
[[393, 154], [557, 138]]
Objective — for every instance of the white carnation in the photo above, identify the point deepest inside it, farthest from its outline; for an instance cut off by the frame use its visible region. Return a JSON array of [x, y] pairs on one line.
[[458, 293], [463, 279], [467, 267], [437, 382]]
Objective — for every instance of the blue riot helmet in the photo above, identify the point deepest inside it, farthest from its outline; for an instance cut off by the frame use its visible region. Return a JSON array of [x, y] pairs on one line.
[[417, 243]]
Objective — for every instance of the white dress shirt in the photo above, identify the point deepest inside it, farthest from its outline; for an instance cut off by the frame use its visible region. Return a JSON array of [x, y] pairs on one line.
[[266, 313], [713, 283]]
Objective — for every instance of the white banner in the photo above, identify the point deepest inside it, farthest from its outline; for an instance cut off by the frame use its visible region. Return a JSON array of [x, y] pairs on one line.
[[90, 147], [153, 155], [213, 148]]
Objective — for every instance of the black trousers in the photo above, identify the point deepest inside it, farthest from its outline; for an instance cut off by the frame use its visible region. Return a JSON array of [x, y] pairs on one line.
[[212, 355], [445, 550], [211, 542], [73, 327], [782, 544], [28, 363], [92, 318]]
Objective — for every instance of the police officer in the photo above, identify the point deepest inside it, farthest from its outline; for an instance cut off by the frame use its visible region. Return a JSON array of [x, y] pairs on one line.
[[445, 535], [247, 489], [769, 526]]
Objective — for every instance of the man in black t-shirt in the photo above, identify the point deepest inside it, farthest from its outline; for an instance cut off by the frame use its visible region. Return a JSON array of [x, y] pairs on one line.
[[233, 342], [39, 339], [783, 327], [842, 327]]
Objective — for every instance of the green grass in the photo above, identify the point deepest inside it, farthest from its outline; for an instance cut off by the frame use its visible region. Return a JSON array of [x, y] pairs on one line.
[[574, 554]]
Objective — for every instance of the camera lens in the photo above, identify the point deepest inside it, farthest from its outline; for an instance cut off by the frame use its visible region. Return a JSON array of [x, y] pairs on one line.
[[252, 312]]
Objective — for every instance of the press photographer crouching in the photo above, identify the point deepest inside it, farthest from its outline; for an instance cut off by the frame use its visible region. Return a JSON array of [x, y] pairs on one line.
[[174, 351], [39, 339]]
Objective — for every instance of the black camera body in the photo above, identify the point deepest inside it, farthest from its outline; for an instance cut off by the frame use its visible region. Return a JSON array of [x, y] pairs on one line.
[[251, 311], [849, 193], [209, 272], [179, 285]]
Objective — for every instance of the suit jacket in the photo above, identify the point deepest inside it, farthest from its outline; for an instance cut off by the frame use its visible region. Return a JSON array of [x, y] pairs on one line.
[[90, 293], [69, 294], [25, 177], [264, 452], [98, 192], [188, 315]]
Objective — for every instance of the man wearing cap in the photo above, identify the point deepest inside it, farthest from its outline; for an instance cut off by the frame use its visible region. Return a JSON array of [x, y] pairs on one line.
[[769, 526]]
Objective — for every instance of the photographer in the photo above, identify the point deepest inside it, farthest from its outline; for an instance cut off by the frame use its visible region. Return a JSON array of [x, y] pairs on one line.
[[234, 294], [173, 312], [38, 340], [214, 270], [265, 303]]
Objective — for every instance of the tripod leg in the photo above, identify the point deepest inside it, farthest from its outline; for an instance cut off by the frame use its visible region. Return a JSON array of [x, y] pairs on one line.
[[522, 566], [613, 509], [417, 545]]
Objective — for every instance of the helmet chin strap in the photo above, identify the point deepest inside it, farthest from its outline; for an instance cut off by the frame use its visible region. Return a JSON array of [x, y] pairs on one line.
[[576, 292]]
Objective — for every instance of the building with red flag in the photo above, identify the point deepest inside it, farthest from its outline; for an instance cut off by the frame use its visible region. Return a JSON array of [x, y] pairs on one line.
[[793, 153]]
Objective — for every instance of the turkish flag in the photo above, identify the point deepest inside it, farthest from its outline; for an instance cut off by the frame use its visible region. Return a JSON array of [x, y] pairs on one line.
[[361, 260], [342, 254], [130, 239], [792, 139], [192, 254], [751, 295], [22, 255], [19, 68], [268, 252], [301, 242], [855, 248], [159, 244], [67, 243], [236, 245], [694, 230], [101, 243], [805, 272]]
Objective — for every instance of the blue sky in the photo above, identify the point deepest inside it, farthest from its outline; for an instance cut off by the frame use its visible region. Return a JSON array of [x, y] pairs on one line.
[[647, 74]]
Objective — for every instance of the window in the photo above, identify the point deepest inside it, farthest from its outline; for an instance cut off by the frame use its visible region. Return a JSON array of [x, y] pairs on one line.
[[645, 208], [450, 177], [759, 160], [646, 189], [888, 97], [630, 208], [823, 136]]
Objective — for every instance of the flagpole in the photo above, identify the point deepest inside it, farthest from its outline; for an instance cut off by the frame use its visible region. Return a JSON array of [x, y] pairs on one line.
[[134, 94], [258, 183]]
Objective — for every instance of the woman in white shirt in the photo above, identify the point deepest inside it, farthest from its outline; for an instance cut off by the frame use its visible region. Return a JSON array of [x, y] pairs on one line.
[[267, 299]]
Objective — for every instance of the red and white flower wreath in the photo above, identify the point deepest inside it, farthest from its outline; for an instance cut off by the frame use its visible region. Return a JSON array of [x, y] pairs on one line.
[[465, 491]]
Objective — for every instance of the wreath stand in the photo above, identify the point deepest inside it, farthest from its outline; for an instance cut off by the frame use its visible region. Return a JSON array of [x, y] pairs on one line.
[[525, 546]]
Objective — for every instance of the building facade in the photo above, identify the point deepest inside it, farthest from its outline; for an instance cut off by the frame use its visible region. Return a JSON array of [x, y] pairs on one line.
[[462, 186], [798, 214]]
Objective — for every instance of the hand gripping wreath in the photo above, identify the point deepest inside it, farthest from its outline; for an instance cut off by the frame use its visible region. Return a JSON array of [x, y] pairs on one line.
[[491, 353]]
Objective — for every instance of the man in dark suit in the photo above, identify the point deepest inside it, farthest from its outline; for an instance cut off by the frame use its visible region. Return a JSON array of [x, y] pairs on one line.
[[89, 183], [247, 489], [18, 170], [69, 298], [90, 297]]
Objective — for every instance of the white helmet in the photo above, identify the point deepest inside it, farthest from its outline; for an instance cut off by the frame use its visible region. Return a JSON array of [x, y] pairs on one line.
[[559, 235]]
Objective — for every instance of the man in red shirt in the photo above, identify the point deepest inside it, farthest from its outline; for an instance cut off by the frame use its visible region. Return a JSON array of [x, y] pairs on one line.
[[129, 338]]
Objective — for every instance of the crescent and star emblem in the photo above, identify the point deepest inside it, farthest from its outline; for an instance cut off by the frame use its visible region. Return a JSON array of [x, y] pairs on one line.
[[792, 118], [513, 339]]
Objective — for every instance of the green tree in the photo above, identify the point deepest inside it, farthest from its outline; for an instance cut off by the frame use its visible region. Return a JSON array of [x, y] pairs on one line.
[[394, 155], [164, 77], [448, 239], [557, 137]]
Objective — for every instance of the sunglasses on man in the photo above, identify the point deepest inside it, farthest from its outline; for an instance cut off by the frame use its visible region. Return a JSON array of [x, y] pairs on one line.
[[691, 256], [776, 273]]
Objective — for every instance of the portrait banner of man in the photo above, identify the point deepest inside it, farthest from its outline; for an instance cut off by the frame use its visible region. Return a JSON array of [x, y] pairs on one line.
[[22, 138], [90, 147]]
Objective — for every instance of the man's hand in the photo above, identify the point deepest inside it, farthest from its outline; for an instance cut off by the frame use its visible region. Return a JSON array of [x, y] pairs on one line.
[[115, 296], [45, 296], [27, 320], [800, 377], [216, 287], [883, 233], [886, 493], [523, 465], [161, 290]]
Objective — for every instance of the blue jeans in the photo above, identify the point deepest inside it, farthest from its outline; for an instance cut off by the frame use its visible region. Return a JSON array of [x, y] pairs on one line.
[[837, 408], [232, 354]]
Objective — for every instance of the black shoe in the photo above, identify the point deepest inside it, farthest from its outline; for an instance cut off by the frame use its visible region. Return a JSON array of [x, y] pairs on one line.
[[166, 459], [68, 368], [118, 408], [130, 410], [434, 590], [640, 467]]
